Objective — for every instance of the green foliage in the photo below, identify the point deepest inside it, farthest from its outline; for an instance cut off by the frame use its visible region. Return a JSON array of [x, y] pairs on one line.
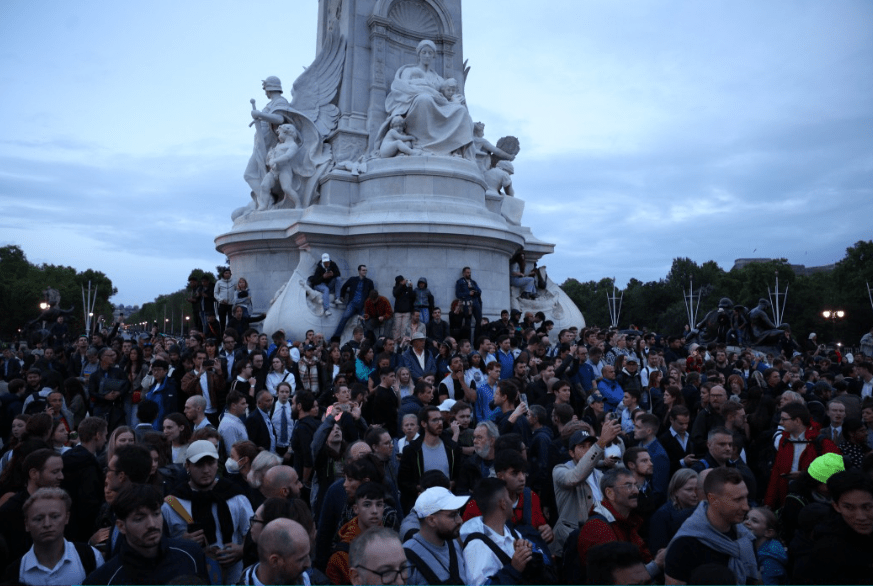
[[659, 306], [23, 283]]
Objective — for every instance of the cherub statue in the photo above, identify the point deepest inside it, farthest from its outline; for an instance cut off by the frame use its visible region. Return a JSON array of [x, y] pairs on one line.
[[280, 169], [484, 150], [500, 177], [395, 140], [449, 90]]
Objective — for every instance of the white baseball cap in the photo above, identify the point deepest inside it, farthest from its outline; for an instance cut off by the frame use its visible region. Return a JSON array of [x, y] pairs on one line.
[[437, 499], [201, 449]]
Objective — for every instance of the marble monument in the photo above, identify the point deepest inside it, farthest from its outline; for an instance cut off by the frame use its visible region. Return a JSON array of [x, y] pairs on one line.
[[376, 161]]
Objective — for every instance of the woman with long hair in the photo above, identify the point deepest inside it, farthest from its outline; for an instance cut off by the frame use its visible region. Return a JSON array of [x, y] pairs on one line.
[[59, 436], [520, 277], [279, 374], [443, 358], [77, 403], [364, 366], [403, 382], [135, 369], [736, 385], [475, 373], [243, 297], [331, 366], [177, 430], [681, 502], [121, 436]]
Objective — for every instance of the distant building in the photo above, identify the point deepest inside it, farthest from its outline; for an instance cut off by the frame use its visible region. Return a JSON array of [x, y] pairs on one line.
[[798, 269], [125, 310]]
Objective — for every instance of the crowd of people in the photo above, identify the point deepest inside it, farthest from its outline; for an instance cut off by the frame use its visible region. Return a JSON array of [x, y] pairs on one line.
[[427, 451]]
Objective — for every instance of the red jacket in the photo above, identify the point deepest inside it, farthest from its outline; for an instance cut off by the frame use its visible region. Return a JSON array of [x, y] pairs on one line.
[[380, 308], [596, 531], [777, 488]]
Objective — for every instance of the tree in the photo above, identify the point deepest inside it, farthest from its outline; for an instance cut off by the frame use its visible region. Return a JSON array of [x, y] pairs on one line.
[[23, 283]]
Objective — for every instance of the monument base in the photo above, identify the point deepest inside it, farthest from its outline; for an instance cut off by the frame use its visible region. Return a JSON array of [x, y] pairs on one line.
[[411, 216]]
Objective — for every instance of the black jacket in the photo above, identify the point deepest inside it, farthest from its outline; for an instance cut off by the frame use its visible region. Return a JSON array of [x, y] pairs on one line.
[[177, 557], [349, 287], [83, 480], [404, 297], [412, 467], [318, 277]]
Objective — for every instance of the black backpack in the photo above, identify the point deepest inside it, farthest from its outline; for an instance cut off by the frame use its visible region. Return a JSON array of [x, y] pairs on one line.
[[429, 575], [572, 569], [539, 570]]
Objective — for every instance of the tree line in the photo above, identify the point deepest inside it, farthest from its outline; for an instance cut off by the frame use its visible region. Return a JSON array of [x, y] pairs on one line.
[[658, 305]]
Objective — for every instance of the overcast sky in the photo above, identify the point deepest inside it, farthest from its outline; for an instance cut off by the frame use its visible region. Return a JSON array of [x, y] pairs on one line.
[[649, 130]]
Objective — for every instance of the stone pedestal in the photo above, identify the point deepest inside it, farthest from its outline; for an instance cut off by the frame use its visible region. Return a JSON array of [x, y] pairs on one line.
[[411, 216]]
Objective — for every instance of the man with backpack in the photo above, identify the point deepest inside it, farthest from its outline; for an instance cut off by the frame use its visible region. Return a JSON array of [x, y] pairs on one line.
[[494, 553], [52, 559], [433, 551]]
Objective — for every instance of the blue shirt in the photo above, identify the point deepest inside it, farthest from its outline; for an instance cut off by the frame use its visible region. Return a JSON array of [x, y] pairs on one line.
[[484, 396]]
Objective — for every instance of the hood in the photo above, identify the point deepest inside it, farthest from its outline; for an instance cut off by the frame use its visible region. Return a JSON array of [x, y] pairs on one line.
[[410, 399], [423, 280]]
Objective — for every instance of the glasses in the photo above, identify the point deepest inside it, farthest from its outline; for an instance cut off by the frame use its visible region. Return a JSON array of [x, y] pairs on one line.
[[253, 520], [390, 576]]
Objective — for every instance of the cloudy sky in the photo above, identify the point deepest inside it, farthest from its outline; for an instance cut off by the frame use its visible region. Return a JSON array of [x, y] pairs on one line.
[[649, 130]]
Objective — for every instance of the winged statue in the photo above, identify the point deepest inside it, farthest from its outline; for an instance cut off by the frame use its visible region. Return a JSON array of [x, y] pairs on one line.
[[284, 173]]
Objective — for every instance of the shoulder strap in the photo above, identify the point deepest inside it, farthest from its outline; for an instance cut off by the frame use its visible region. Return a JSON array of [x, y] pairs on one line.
[[501, 555], [86, 556], [422, 567], [527, 513], [180, 510]]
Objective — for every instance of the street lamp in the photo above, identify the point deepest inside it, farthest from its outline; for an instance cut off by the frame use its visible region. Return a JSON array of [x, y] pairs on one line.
[[833, 315], [187, 324], [43, 306]]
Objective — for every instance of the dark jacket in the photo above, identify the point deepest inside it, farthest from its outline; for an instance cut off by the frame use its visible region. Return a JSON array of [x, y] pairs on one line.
[[349, 287], [840, 555], [83, 480], [318, 277], [257, 429], [674, 449], [177, 557], [409, 405], [404, 297], [301, 440], [412, 467]]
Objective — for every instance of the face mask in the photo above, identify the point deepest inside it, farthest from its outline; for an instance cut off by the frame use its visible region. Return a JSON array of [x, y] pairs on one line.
[[232, 466], [612, 451]]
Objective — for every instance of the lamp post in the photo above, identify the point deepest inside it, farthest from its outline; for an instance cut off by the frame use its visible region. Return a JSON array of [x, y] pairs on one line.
[[187, 325], [833, 315]]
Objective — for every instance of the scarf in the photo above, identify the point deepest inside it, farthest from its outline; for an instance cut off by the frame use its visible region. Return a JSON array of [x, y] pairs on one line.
[[137, 569], [201, 507], [743, 562]]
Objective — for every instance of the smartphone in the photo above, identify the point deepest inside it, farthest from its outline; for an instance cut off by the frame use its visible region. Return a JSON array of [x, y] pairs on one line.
[[208, 363], [193, 527]]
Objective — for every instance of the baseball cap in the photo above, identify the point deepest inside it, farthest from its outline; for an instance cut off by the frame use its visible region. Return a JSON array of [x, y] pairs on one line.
[[447, 405], [201, 449], [325, 257], [577, 438], [436, 499]]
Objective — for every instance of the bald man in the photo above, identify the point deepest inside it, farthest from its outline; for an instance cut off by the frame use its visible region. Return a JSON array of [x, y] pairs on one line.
[[281, 482], [283, 554]]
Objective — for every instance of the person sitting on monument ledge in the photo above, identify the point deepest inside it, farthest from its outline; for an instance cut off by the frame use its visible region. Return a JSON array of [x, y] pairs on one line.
[[326, 279], [404, 298], [357, 289], [468, 291], [377, 314]]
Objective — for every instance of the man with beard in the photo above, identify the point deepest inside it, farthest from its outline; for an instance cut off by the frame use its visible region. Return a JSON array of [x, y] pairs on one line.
[[146, 557], [434, 552], [209, 510], [428, 452]]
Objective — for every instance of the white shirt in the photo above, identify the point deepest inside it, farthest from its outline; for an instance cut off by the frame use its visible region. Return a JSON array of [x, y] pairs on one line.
[[240, 513], [204, 385], [232, 429], [69, 570], [482, 563], [277, 422]]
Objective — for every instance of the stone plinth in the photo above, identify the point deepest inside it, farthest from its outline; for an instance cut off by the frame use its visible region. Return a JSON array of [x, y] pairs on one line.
[[410, 216]]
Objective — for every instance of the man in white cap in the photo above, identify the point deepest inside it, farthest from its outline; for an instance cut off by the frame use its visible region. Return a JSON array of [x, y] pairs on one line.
[[209, 510], [433, 552], [326, 279]]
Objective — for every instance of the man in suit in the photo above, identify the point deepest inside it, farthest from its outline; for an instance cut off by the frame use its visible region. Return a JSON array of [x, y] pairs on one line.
[[676, 441], [259, 425], [11, 366], [836, 414]]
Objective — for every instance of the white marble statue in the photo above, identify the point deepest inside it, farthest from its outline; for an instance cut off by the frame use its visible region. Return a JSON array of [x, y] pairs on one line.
[[396, 141], [441, 125], [313, 116], [281, 169], [484, 150], [500, 177]]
